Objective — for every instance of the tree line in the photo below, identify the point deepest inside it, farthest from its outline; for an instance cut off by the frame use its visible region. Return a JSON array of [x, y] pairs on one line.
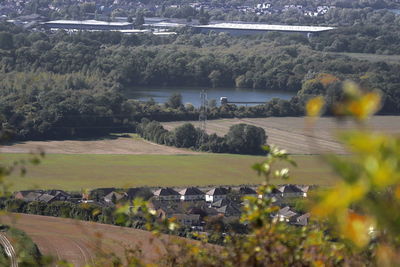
[[240, 139]]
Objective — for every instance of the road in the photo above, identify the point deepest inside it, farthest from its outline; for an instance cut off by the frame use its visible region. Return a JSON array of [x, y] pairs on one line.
[[9, 249]]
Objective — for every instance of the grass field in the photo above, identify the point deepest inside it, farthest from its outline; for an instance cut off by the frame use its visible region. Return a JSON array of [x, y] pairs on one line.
[[76, 172]]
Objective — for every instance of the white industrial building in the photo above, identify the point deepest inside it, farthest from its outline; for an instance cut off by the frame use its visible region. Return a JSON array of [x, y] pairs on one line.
[[246, 29], [91, 25]]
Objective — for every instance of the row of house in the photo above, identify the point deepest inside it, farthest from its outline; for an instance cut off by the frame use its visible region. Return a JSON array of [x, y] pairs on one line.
[[271, 8], [189, 206], [46, 196], [217, 193], [195, 214], [112, 195]]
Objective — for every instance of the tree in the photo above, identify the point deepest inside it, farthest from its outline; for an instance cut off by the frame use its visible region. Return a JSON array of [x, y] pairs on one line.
[[215, 78], [175, 101], [204, 20], [245, 139], [139, 21], [185, 135], [6, 41], [204, 17]]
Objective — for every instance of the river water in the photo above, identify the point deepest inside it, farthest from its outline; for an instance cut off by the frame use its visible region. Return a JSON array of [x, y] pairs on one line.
[[192, 94]]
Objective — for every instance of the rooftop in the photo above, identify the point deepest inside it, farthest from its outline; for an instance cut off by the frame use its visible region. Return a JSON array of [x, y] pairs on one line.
[[165, 25], [191, 191], [164, 33], [133, 31], [88, 22], [291, 189], [266, 27], [247, 191], [217, 191], [166, 192]]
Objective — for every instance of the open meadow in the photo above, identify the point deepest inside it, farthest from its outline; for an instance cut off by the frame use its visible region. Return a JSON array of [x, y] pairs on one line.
[[292, 133], [85, 171]]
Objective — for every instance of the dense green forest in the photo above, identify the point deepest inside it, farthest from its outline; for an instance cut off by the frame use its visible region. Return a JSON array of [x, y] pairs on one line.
[[62, 85]]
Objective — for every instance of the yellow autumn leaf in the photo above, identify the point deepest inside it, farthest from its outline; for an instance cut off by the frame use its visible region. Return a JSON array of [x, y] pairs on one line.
[[356, 227], [351, 90], [339, 198], [397, 192], [314, 106], [363, 141], [365, 106], [381, 172]]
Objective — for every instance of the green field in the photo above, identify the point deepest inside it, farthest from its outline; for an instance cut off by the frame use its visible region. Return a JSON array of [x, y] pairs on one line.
[[76, 172]]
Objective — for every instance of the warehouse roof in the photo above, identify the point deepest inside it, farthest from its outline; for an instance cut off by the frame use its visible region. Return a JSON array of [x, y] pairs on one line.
[[88, 22], [265, 27], [164, 25], [133, 31]]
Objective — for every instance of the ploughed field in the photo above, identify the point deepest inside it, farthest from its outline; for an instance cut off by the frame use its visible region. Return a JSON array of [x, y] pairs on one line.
[[80, 242], [292, 133], [84, 171]]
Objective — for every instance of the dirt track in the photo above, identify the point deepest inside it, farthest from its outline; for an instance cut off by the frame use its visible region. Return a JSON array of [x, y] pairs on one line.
[[292, 134], [78, 241], [120, 145]]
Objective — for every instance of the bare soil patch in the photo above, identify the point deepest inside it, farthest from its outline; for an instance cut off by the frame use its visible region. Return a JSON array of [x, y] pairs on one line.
[[292, 133], [113, 145], [78, 242]]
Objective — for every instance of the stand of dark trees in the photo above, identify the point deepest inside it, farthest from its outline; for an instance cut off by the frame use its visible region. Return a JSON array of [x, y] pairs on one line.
[[241, 138]]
